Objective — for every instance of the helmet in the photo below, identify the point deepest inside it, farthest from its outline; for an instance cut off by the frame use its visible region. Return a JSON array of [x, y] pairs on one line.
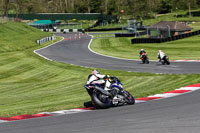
[[141, 49], [113, 79], [159, 51], [95, 72]]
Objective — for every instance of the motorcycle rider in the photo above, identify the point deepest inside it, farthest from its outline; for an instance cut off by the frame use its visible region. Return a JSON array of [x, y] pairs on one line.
[[142, 51], [96, 78], [161, 55]]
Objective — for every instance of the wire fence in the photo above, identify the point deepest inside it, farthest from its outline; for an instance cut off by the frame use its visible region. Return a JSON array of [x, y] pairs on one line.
[[166, 39], [6, 19]]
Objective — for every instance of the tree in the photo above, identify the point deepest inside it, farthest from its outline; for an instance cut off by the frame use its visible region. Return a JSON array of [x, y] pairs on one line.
[[5, 9], [105, 6], [95, 6], [135, 8], [1, 7], [18, 7], [88, 5], [165, 6]]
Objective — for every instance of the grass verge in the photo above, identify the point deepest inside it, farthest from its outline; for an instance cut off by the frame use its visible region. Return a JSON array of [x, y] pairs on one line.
[[188, 48], [30, 84]]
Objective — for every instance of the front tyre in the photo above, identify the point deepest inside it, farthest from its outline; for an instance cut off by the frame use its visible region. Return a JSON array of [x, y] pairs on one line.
[[129, 98], [147, 61], [101, 100], [167, 61], [143, 61]]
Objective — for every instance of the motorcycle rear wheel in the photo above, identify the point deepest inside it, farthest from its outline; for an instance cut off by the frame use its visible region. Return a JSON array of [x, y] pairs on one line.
[[101, 101]]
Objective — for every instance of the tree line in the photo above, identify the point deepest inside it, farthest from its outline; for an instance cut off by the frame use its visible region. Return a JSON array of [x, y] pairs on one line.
[[135, 8]]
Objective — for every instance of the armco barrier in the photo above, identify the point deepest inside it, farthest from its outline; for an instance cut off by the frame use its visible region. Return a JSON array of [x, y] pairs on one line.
[[124, 35], [43, 40], [130, 34], [104, 29], [63, 30], [160, 40]]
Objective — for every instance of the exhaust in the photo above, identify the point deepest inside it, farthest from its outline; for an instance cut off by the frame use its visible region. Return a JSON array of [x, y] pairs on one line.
[[102, 90]]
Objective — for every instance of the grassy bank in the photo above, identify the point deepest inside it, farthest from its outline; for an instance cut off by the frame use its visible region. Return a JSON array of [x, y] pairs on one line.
[[188, 48], [17, 37], [30, 84]]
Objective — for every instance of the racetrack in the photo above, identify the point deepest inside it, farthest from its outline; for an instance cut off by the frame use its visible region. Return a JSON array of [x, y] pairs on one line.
[[77, 52], [173, 115], [178, 114]]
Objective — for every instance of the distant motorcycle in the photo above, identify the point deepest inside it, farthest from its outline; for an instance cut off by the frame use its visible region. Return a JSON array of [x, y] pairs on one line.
[[165, 60], [105, 98], [144, 58]]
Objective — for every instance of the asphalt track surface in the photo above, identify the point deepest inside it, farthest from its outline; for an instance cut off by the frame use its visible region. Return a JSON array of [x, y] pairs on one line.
[[76, 52], [178, 114]]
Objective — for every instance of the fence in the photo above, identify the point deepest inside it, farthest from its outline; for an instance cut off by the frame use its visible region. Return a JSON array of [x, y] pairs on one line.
[[130, 34], [63, 30], [6, 19], [43, 40], [65, 16], [194, 13], [160, 40]]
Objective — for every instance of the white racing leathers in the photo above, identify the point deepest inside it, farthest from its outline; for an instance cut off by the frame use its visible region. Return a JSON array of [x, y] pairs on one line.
[[98, 79], [161, 55]]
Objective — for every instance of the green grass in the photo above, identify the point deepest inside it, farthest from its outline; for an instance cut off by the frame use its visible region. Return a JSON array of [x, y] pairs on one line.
[[30, 84], [188, 48], [17, 37]]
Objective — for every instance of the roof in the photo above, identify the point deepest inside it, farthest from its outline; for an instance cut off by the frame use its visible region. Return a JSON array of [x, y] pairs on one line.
[[173, 25], [44, 22]]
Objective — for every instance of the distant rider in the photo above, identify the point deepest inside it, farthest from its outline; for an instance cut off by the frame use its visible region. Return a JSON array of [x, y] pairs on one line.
[[161, 55], [142, 51]]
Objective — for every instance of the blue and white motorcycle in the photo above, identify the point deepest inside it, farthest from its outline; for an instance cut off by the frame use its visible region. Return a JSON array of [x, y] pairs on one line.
[[115, 96]]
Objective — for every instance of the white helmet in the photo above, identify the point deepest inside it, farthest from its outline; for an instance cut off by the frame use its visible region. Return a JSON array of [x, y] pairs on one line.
[[141, 49], [95, 72]]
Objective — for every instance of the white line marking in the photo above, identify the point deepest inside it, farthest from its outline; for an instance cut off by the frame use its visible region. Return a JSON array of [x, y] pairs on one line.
[[35, 51], [1, 121], [105, 55], [139, 101], [165, 95], [71, 111], [135, 59], [189, 88]]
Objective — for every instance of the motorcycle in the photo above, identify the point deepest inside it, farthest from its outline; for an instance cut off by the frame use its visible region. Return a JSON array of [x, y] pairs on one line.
[[107, 98], [165, 60], [144, 58]]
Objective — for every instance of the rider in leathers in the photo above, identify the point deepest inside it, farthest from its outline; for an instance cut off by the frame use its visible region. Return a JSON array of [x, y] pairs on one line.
[[161, 55], [96, 78], [142, 51]]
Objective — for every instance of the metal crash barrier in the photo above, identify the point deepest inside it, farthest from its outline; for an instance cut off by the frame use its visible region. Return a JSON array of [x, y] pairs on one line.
[[43, 40]]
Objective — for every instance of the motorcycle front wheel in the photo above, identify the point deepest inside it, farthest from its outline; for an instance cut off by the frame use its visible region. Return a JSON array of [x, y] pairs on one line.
[[147, 61], [129, 98], [167, 61]]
